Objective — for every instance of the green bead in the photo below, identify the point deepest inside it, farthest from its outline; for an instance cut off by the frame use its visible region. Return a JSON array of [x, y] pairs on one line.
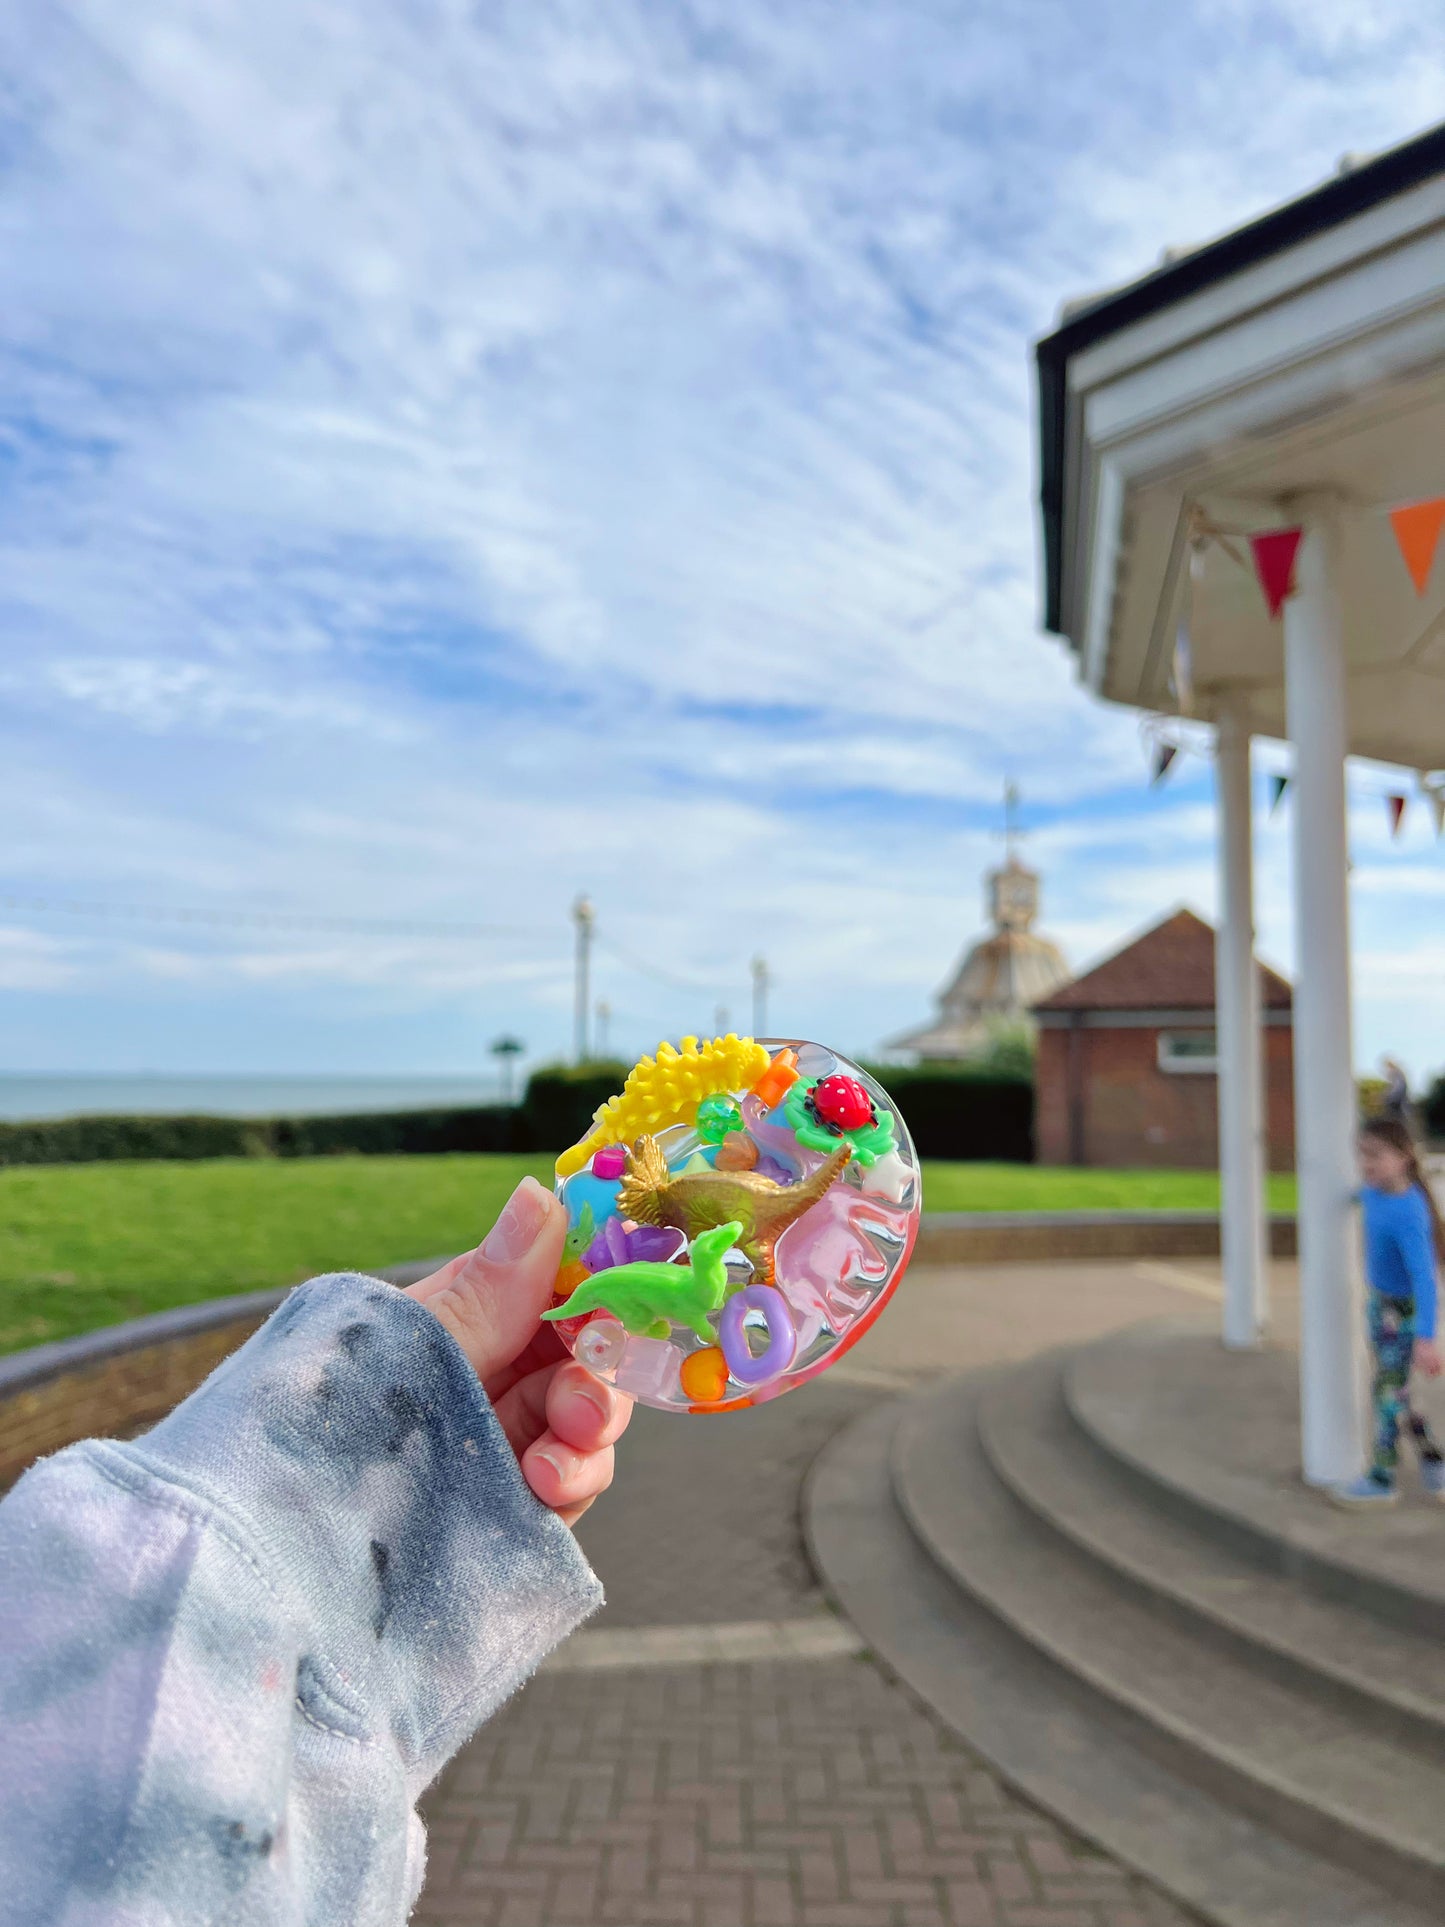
[[716, 1116]]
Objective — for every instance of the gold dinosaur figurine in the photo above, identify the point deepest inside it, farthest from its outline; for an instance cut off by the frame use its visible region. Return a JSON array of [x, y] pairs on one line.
[[700, 1200]]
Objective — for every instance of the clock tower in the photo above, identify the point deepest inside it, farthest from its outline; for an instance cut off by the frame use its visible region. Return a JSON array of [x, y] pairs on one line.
[[1013, 896], [1000, 976]]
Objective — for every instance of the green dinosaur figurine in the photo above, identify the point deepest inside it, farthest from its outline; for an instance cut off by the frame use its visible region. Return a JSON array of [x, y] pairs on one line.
[[651, 1298]]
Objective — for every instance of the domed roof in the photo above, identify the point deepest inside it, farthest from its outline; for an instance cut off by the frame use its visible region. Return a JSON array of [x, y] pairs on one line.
[[1003, 975], [998, 978]]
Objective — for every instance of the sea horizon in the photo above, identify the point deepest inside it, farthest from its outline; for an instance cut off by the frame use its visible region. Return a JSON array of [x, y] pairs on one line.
[[33, 1095]]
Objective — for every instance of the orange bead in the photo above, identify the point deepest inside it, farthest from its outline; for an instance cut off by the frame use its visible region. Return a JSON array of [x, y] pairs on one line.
[[569, 1277], [777, 1080], [705, 1375]]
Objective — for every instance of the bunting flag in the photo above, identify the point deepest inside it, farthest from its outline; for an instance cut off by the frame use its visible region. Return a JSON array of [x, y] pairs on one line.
[[1183, 672], [1277, 786], [1396, 807], [1417, 529], [1164, 755], [1274, 555]]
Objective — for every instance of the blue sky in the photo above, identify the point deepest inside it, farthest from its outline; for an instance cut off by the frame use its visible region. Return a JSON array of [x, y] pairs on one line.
[[456, 456]]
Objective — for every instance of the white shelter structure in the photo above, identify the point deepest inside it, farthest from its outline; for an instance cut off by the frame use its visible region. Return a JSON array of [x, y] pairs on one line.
[[1288, 375]]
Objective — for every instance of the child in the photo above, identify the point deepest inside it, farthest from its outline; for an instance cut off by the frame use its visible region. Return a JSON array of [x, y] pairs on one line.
[[1404, 1237]]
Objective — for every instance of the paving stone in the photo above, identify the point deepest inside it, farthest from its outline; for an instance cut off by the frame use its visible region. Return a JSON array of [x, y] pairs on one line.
[[705, 1857], [747, 1792]]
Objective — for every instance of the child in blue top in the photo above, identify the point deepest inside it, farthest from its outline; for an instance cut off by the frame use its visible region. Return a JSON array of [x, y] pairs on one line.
[[1404, 1238]]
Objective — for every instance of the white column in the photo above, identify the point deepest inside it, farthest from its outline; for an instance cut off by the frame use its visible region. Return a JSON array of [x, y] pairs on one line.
[[1240, 1081], [1331, 1388]]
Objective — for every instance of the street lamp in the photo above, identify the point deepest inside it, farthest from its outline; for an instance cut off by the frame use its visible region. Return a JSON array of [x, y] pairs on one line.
[[507, 1050], [584, 916]]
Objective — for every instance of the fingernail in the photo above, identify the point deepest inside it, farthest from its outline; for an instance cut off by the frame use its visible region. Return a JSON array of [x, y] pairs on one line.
[[592, 1392], [515, 1232], [561, 1463]]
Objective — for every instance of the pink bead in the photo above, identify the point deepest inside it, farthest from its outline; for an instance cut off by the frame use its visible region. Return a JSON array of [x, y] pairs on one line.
[[609, 1162]]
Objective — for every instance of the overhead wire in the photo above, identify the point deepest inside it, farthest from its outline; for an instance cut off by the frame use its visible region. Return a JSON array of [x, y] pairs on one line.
[[269, 919]]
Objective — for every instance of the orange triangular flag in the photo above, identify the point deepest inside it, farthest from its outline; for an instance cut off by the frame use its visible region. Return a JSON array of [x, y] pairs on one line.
[[1417, 529]]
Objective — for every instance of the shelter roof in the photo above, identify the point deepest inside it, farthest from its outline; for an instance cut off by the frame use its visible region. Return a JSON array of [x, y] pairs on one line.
[[1358, 187]]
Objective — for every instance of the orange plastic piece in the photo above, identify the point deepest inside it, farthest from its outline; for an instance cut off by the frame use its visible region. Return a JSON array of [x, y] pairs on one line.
[[705, 1375], [777, 1080], [569, 1277], [737, 1152]]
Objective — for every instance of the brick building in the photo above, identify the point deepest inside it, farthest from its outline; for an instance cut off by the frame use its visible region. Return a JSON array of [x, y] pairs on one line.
[[1125, 1071]]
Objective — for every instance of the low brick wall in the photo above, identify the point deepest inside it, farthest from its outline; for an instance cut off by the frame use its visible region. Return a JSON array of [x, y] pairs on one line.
[[116, 1380], [122, 1378], [1035, 1237]]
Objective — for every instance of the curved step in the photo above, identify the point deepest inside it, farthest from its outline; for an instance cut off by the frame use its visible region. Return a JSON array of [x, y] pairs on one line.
[[1387, 1676], [1143, 1395], [1016, 1709], [1322, 1779]]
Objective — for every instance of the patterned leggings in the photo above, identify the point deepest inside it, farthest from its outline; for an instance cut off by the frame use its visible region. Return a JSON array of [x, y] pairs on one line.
[[1392, 1335]]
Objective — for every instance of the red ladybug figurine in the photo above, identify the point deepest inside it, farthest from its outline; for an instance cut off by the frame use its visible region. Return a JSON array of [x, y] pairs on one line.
[[843, 1103]]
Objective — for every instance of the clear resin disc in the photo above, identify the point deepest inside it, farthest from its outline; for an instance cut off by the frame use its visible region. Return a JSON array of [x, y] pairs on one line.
[[738, 1215]]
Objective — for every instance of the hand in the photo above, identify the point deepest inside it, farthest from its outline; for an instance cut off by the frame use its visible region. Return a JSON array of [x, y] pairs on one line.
[[1427, 1358], [558, 1418]]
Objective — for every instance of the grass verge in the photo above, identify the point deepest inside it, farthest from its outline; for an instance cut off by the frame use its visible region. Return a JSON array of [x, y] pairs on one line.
[[83, 1245]]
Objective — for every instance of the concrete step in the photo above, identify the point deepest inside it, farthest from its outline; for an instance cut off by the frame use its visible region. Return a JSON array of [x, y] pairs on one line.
[[1213, 1437], [1032, 1723], [1231, 1724], [1388, 1677]]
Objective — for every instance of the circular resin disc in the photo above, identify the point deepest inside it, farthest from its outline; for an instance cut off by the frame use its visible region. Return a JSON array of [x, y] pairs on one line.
[[738, 1215]]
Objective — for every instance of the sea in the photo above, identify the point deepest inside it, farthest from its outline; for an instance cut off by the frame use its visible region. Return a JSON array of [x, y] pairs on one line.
[[25, 1095]]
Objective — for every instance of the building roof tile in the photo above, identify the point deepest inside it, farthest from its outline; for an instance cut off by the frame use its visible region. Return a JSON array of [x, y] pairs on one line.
[[1170, 966]]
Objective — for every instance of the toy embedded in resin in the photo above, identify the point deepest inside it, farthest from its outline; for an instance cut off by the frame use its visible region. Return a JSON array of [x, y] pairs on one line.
[[738, 1215]]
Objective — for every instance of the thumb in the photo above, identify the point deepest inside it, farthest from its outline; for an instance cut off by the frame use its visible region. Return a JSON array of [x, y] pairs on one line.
[[491, 1299]]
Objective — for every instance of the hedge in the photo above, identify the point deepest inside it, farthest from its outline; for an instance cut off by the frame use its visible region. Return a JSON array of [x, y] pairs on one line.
[[88, 1140], [950, 1114], [963, 1115], [560, 1100]]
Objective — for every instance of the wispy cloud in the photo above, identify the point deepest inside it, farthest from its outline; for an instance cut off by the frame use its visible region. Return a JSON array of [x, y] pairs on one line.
[[455, 457]]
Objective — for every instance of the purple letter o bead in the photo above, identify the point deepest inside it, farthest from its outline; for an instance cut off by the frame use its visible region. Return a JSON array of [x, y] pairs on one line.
[[782, 1335]]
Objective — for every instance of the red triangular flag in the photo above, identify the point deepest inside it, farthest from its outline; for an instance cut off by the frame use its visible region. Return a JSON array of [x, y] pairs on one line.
[[1396, 806], [1278, 784], [1163, 757], [1417, 529], [1274, 554]]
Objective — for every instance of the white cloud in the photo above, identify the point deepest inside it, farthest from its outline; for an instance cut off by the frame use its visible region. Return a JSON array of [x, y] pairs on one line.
[[30, 960], [462, 456]]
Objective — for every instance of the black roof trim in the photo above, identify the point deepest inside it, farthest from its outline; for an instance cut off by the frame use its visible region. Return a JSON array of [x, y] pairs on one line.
[[1337, 200]]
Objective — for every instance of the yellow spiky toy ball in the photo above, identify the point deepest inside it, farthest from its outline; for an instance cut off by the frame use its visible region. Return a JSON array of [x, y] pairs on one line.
[[667, 1089]]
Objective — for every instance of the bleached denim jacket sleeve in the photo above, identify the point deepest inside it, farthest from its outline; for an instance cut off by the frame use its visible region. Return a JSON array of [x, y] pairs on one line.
[[234, 1651]]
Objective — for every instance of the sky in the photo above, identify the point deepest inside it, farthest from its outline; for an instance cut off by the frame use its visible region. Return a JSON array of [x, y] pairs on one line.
[[456, 457]]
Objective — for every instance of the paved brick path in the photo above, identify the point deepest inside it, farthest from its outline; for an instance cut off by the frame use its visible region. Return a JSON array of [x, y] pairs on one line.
[[816, 1794], [812, 1793]]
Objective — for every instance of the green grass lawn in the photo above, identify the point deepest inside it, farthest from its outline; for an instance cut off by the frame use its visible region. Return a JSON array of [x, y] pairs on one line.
[[1039, 1187], [90, 1244]]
